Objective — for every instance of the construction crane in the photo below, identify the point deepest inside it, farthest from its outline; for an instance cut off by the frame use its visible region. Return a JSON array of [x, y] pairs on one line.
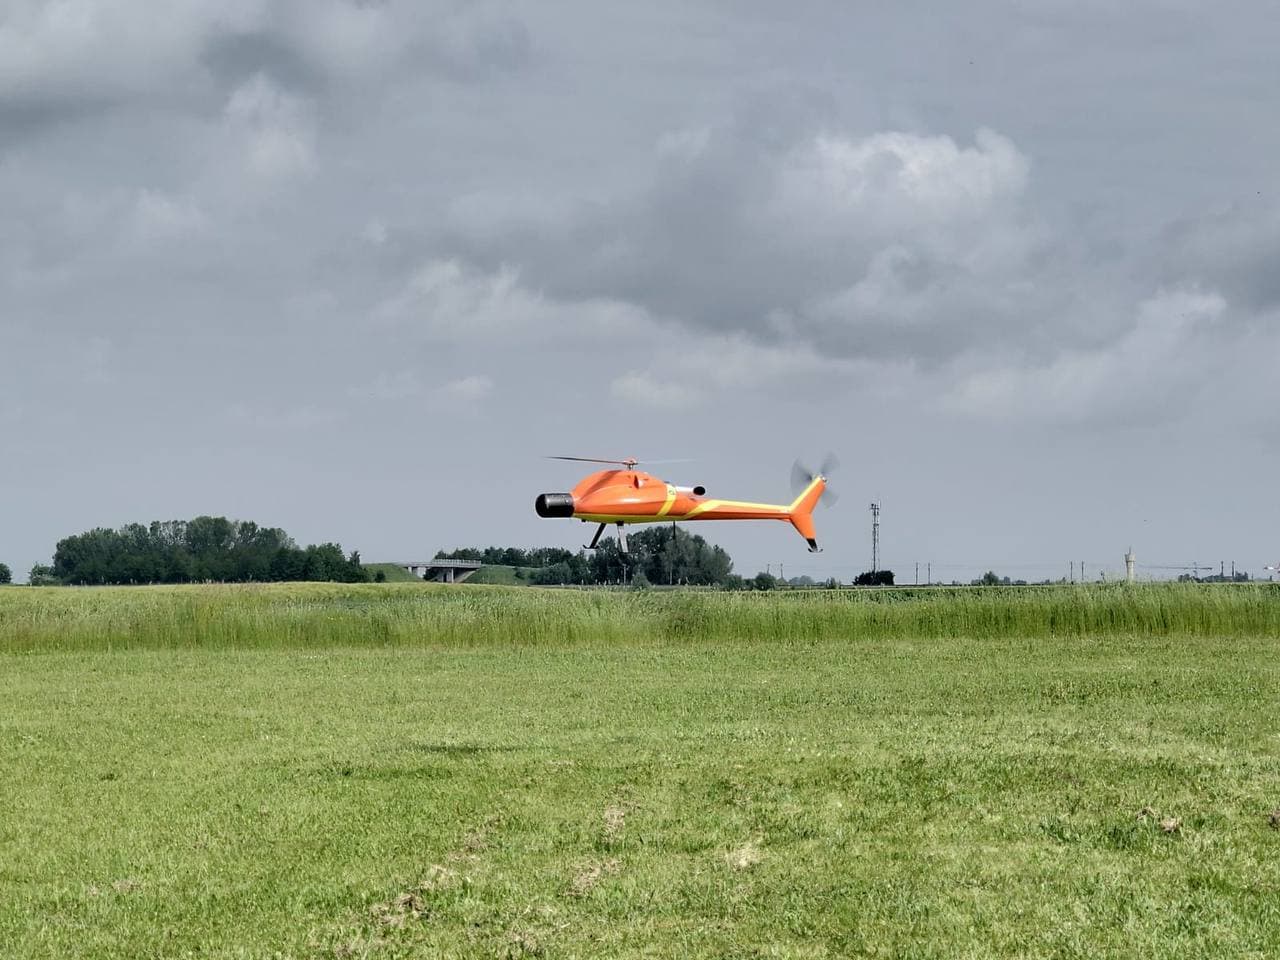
[[1194, 568]]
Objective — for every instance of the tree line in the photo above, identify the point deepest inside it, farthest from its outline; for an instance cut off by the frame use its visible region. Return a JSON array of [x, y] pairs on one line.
[[508, 556], [194, 551], [658, 555]]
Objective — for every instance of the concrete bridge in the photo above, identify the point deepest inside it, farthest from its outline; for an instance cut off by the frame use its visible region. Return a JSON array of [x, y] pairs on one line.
[[442, 571]]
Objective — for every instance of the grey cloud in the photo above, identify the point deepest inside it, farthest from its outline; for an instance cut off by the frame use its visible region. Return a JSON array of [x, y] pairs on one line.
[[886, 245], [476, 42], [58, 59], [234, 57], [1156, 371], [21, 119], [1236, 249]]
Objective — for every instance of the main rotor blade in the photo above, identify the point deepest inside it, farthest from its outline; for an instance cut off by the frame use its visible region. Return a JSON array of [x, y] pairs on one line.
[[625, 463], [592, 460]]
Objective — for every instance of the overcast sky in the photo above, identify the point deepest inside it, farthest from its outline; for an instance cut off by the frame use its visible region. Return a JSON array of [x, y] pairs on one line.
[[354, 267]]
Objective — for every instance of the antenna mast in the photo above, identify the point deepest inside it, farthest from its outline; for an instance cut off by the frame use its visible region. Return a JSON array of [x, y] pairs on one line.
[[875, 537]]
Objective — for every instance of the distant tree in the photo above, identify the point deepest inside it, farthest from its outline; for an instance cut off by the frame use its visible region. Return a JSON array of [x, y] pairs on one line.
[[874, 578], [42, 575], [206, 548], [606, 564], [544, 556], [464, 553], [763, 581], [6, 575], [663, 554], [557, 573], [671, 555], [326, 562], [380, 577]]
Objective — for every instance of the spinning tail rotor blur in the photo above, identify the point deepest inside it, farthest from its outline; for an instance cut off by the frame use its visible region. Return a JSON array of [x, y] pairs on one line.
[[802, 476]]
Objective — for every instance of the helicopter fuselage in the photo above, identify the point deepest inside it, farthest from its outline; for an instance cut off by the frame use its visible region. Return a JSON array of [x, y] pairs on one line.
[[633, 496]]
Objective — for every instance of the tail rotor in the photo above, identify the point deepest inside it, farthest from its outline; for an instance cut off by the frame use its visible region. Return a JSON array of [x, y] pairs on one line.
[[802, 476]]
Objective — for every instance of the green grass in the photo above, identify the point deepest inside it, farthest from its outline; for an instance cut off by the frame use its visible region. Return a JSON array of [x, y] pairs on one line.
[[499, 575], [392, 572], [322, 615], [403, 771]]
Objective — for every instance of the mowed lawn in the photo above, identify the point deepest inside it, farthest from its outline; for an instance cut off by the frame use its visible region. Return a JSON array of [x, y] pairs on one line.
[[766, 797]]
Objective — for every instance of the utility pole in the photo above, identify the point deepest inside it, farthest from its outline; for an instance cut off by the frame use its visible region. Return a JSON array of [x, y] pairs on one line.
[[917, 573], [928, 573], [875, 537], [1073, 571]]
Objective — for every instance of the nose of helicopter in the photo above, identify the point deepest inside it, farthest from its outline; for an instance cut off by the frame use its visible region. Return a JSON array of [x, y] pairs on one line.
[[554, 505]]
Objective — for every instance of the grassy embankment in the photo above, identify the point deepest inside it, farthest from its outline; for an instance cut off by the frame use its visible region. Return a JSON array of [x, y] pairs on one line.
[[494, 574], [408, 771]]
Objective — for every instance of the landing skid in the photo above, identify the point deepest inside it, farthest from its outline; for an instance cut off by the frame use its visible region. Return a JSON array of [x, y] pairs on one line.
[[622, 538]]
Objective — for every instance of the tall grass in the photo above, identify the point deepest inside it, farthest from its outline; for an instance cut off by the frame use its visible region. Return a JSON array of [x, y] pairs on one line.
[[306, 615]]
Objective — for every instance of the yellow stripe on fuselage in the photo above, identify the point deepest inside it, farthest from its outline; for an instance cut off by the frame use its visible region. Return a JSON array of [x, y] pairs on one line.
[[768, 511], [671, 499], [706, 505]]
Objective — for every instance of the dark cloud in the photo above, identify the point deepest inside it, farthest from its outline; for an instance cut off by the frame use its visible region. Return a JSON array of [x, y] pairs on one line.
[[263, 257], [1234, 249], [890, 245], [21, 119], [234, 57]]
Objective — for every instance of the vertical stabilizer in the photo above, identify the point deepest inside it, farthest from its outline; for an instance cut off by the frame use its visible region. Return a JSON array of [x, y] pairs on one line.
[[801, 512]]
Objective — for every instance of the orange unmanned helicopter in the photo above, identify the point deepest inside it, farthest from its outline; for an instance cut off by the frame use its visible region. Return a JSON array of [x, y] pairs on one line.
[[628, 495]]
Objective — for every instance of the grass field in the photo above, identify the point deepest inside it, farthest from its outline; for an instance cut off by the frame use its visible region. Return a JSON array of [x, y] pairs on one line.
[[404, 771]]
